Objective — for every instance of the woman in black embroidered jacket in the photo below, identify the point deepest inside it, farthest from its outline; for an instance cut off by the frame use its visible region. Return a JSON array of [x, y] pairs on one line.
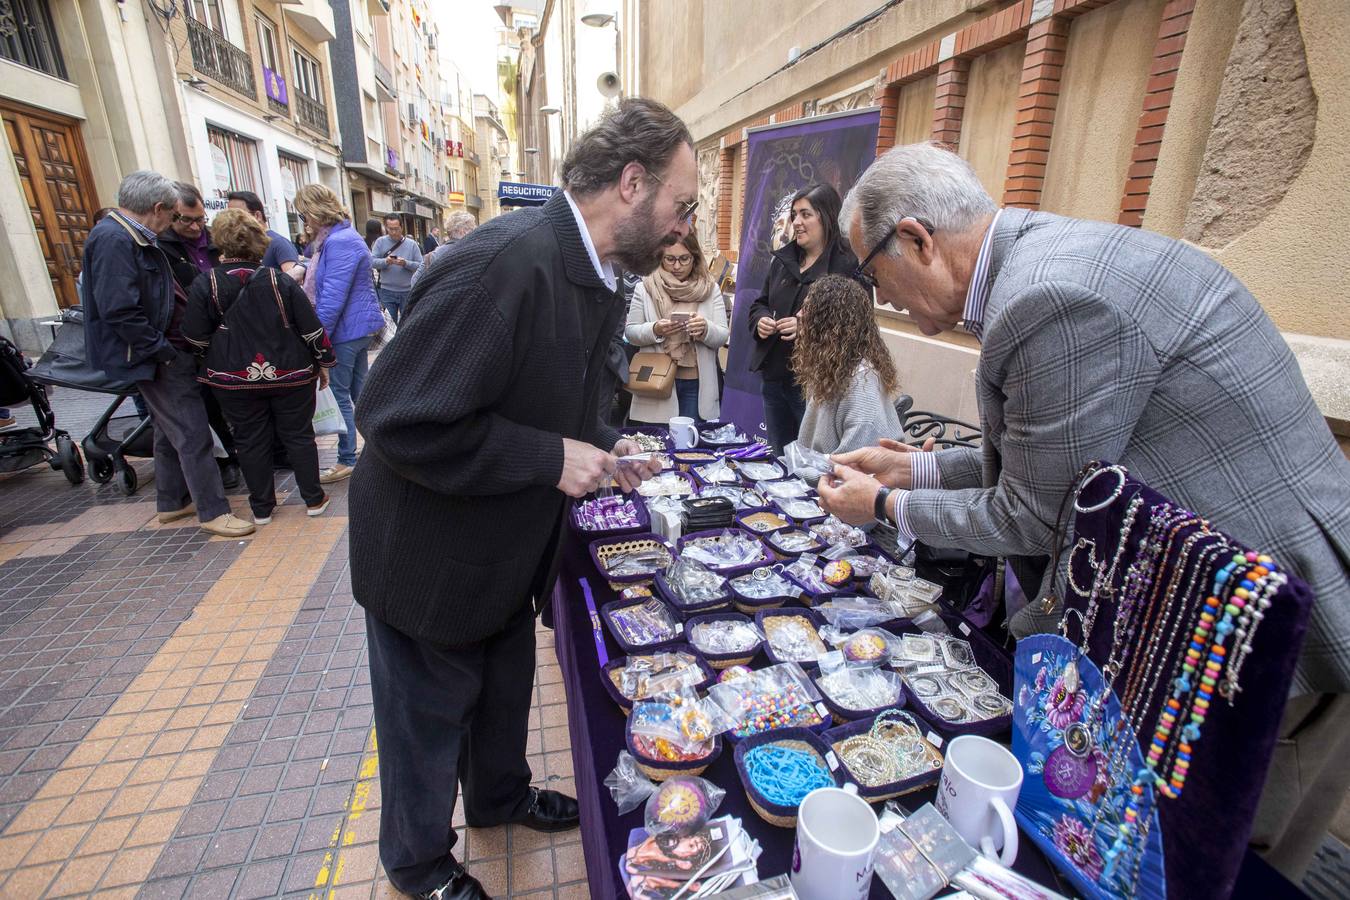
[[262, 349]]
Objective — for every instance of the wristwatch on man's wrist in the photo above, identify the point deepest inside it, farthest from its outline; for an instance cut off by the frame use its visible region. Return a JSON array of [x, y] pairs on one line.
[[879, 508]]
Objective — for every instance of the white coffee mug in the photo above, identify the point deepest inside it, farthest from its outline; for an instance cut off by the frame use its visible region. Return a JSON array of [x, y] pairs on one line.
[[837, 835], [684, 433], [977, 793]]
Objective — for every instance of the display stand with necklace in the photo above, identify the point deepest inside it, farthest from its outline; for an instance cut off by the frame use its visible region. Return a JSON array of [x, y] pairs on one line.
[[1144, 731]]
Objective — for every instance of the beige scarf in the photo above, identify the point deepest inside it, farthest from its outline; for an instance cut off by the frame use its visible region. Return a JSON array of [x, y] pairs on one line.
[[671, 295]]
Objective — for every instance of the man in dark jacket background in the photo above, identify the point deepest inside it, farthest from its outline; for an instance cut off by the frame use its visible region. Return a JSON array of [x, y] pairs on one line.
[[130, 331], [187, 244], [480, 419]]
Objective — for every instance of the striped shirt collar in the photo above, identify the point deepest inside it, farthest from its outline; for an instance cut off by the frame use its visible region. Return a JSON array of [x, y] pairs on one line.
[[977, 295], [604, 270]]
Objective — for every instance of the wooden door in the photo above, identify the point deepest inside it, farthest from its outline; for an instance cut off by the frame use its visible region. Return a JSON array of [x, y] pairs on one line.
[[54, 172]]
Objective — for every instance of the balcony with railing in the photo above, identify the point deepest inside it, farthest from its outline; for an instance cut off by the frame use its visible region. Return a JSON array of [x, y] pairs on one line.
[[312, 114], [221, 61], [384, 80]]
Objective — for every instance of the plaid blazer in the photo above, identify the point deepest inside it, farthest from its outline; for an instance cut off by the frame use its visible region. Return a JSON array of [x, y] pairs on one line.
[[1106, 342]]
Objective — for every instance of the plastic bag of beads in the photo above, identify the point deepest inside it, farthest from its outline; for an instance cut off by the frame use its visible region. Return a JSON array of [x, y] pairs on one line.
[[627, 785], [780, 696], [684, 719], [682, 805], [692, 583], [808, 463]]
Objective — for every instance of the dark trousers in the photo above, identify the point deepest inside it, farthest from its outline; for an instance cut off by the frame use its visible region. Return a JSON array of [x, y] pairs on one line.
[[220, 425], [784, 407], [185, 469], [260, 418], [448, 715]]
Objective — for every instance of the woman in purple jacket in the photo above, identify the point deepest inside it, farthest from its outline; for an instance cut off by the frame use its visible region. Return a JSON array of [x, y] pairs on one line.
[[344, 298]]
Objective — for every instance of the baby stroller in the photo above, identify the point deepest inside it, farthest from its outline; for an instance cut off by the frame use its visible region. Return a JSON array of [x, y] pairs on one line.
[[114, 437], [25, 447]]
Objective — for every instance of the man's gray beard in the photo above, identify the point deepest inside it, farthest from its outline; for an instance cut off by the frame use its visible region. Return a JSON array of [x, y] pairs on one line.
[[637, 248]]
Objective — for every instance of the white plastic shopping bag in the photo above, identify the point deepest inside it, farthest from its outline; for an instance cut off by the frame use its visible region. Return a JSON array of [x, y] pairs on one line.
[[327, 417]]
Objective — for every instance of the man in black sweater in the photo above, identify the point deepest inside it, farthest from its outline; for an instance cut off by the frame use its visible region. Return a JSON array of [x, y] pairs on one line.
[[480, 419]]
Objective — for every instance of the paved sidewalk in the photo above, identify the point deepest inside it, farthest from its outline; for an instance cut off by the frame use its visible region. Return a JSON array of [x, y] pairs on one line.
[[184, 716]]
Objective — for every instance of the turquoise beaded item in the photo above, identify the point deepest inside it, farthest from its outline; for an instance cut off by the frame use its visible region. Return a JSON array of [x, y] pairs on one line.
[[784, 776]]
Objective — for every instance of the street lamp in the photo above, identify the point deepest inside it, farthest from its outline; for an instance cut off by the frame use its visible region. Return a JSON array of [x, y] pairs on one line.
[[598, 14], [549, 110]]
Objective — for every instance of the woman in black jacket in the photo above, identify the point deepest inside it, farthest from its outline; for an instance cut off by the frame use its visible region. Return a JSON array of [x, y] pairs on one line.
[[817, 250], [263, 349]]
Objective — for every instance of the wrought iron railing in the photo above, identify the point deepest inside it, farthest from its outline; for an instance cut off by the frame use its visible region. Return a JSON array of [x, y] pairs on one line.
[[220, 60], [383, 75], [313, 114], [919, 426]]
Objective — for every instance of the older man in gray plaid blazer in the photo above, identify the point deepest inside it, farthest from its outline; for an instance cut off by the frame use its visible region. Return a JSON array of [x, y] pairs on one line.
[[1105, 342]]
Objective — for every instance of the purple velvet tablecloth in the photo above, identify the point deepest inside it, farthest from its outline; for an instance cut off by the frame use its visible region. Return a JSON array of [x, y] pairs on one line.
[[597, 731]]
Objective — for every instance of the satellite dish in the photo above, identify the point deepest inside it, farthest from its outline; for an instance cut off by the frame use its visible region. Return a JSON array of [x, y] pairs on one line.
[[609, 85]]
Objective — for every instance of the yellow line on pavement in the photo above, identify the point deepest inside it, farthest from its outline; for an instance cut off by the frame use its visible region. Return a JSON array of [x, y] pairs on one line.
[[329, 876]]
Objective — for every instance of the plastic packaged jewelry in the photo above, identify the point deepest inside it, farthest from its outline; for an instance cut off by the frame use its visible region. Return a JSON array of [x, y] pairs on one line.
[[806, 573], [666, 484], [682, 805], [793, 638], [649, 443], [729, 549], [919, 854], [647, 561], [792, 541], [726, 434], [644, 676], [741, 497], [763, 583], [805, 462], [851, 613], [784, 490], [765, 470], [692, 583], [801, 508], [719, 472], [723, 636], [608, 514], [644, 624], [832, 532], [860, 689]]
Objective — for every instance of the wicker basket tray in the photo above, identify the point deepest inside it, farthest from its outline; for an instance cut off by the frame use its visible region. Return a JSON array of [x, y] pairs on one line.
[[644, 520], [667, 593], [796, 739], [601, 550], [730, 571], [661, 769], [720, 660], [615, 665], [607, 614], [760, 522], [765, 619], [881, 792]]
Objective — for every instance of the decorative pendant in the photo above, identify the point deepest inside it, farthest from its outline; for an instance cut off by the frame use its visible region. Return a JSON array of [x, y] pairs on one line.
[[1069, 775], [1072, 682], [1078, 740]]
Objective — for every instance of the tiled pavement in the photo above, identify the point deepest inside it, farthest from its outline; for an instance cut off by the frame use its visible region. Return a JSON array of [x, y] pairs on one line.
[[190, 717]]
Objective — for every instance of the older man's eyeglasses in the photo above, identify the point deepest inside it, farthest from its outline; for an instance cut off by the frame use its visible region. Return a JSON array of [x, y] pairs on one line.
[[686, 208], [865, 277], [190, 220]]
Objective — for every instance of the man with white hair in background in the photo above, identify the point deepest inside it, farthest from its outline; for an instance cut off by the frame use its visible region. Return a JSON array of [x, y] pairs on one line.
[[130, 326], [1105, 342], [457, 228]]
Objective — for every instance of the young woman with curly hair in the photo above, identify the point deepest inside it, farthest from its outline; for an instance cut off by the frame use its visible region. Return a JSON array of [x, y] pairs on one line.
[[845, 370]]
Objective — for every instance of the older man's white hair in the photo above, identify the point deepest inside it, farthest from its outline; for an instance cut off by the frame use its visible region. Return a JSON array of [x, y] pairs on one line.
[[923, 181]]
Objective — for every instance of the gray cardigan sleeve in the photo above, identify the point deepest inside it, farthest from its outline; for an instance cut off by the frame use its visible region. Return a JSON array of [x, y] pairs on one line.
[[864, 415]]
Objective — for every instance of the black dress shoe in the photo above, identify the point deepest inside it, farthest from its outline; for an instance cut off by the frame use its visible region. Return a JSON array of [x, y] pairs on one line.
[[550, 811], [229, 476], [462, 887]]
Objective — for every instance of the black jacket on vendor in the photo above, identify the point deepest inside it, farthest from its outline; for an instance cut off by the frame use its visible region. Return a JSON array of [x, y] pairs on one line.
[[255, 329], [784, 292], [455, 514]]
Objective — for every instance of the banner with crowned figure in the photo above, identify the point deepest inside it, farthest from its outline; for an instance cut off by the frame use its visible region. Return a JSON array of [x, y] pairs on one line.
[[833, 149]]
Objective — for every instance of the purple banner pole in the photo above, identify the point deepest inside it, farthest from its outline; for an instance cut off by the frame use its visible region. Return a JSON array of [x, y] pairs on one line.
[[782, 160]]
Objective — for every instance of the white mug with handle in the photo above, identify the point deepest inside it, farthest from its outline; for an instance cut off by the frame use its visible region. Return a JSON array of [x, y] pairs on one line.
[[836, 846], [684, 432], [980, 783]]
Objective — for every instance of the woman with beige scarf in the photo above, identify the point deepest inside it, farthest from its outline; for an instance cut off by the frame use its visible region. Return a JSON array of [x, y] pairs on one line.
[[679, 311]]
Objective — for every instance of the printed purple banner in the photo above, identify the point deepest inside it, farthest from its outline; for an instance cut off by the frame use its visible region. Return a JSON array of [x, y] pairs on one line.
[[276, 86], [782, 160]]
